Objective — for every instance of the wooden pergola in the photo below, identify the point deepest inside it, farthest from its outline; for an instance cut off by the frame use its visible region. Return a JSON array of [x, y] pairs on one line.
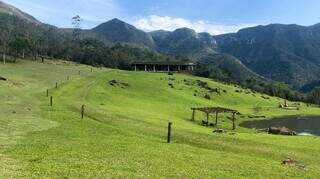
[[215, 110]]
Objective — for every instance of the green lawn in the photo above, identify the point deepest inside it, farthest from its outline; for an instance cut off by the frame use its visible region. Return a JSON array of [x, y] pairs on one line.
[[123, 134]]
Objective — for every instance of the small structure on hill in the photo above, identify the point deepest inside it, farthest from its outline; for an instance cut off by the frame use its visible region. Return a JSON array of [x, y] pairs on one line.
[[163, 66], [216, 111], [287, 107]]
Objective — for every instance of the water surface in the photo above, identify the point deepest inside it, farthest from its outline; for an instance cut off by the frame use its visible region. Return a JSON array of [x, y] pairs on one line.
[[302, 125]]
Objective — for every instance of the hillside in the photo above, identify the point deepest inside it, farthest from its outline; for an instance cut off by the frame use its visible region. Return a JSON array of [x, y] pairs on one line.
[[123, 133], [8, 9], [288, 53], [202, 48], [226, 68]]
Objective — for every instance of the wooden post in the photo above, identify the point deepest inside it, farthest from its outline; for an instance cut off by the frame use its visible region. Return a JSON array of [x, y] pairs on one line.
[[168, 68], [233, 123], [216, 118], [135, 67], [56, 84], [51, 101], [169, 132], [145, 67], [154, 68], [207, 119], [47, 93], [193, 114], [82, 111], [179, 68]]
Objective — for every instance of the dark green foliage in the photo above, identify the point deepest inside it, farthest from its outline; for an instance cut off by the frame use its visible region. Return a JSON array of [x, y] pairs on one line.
[[207, 96], [94, 52], [226, 69], [19, 45], [314, 96], [288, 53]]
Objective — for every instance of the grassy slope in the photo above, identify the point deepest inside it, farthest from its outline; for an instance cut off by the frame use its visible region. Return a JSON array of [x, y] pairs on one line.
[[123, 133]]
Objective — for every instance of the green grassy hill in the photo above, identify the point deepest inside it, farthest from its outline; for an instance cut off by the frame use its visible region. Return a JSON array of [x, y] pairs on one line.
[[123, 133]]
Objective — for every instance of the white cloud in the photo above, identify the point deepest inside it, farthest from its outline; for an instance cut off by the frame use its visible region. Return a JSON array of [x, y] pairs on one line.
[[155, 22]]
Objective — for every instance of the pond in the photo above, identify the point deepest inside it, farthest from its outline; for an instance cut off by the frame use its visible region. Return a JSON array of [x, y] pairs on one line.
[[301, 124]]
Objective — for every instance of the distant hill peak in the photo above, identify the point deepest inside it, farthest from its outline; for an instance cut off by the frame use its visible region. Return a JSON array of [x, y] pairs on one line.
[[118, 31], [186, 31], [115, 23], [116, 20]]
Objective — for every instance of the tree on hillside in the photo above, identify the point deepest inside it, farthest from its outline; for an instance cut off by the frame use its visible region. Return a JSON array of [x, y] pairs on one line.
[[314, 96], [34, 45], [76, 23], [18, 46], [76, 36], [36, 41], [5, 39]]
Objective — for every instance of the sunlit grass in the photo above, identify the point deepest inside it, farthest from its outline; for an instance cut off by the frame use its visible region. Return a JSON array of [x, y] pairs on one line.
[[123, 133]]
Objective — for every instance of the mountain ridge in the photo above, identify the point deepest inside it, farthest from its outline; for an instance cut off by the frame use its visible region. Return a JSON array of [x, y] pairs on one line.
[[9, 9]]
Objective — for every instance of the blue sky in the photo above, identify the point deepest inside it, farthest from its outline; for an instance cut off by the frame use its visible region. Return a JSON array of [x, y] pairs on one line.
[[213, 16]]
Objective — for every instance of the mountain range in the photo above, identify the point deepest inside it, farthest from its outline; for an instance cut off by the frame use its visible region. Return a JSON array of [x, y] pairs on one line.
[[284, 53]]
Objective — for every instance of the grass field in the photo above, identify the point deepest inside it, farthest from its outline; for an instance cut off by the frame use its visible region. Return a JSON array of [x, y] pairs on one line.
[[123, 133]]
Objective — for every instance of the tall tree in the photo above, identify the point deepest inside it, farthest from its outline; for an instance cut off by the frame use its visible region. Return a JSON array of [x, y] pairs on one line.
[[18, 46], [76, 23], [314, 96], [5, 39], [76, 34]]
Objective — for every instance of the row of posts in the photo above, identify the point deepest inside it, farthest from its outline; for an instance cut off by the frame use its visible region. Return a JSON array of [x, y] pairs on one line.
[[154, 68], [83, 113], [56, 86], [83, 108]]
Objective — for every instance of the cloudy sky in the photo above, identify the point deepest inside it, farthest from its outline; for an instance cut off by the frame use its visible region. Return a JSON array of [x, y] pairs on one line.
[[213, 16]]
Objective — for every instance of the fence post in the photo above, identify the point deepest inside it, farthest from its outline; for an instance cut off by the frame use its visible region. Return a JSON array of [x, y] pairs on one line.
[[169, 132], [56, 84], [233, 121], [193, 114], [47, 93], [51, 101], [82, 111]]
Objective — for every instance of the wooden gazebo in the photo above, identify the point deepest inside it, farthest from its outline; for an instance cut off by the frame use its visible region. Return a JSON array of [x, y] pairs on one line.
[[215, 110]]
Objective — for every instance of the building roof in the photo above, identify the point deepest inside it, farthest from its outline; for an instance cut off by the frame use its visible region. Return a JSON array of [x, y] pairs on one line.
[[164, 63], [215, 109]]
